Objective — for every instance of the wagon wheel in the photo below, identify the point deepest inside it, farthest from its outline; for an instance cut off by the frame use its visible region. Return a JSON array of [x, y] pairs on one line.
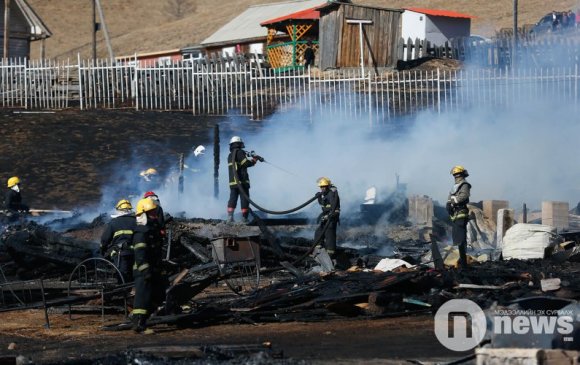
[[95, 274], [242, 277]]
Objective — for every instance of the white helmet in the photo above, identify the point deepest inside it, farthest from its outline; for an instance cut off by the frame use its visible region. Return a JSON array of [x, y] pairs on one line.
[[237, 139], [199, 150]]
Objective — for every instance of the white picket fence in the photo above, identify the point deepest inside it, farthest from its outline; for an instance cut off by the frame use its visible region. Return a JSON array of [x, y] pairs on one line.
[[224, 89]]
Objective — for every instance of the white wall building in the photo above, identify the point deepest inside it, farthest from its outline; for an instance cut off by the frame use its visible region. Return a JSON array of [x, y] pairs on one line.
[[435, 26]]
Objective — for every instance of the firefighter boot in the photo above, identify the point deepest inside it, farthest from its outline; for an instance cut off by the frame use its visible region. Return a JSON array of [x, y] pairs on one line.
[[139, 323], [231, 217]]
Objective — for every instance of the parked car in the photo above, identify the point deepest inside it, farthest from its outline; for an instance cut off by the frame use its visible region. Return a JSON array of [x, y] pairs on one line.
[[546, 24]]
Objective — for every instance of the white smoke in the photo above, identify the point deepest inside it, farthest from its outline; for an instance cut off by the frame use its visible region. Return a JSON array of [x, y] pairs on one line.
[[520, 154]]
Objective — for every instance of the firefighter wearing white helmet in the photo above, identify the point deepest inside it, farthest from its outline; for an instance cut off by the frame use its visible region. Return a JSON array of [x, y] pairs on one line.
[[149, 282], [330, 204], [13, 205], [117, 239], [458, 211], [238, 163], [199, 150]]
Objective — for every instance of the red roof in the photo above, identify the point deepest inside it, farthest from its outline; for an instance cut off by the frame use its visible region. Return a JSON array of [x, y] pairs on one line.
[[307, 14], [445, 13]]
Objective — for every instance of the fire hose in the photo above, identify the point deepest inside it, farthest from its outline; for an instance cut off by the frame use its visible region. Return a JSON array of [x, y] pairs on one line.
[[317, 240]]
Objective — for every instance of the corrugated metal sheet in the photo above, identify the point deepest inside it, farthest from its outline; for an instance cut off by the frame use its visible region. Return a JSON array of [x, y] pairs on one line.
[[444, 13], [246, 26], [308, 14]]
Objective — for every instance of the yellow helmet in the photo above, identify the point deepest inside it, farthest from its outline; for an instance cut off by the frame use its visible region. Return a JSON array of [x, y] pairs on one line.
[[323, 181], [145, 205], [14, 180], [123, 204], [459, 170], [148, 172]]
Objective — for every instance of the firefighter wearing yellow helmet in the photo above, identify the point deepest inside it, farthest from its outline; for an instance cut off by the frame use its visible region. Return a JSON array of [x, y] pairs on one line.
[[458, 211], [330, 204], [13, 205], [149, 283], [117, 239]]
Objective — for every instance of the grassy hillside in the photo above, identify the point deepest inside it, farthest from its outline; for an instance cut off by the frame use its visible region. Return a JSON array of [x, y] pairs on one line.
[[153, 25]]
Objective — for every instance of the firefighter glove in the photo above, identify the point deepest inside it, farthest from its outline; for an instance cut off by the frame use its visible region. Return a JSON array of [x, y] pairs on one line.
[[449, 207]]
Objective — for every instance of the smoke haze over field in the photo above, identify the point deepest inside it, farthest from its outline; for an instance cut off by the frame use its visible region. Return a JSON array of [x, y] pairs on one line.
[[521, 154]]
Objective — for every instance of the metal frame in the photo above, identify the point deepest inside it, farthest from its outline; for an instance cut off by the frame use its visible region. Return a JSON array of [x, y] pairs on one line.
[[83, 272], [242, 275]]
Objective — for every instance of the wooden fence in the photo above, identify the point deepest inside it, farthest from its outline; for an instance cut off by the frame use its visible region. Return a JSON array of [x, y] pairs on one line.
[[557, 50], [222, 89]]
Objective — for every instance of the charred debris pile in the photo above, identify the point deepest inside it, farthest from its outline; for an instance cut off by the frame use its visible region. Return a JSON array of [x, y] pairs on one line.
[[276, 272]]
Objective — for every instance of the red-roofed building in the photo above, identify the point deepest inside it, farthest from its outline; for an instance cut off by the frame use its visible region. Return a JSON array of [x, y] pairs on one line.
[[435, 26], [301, 27]]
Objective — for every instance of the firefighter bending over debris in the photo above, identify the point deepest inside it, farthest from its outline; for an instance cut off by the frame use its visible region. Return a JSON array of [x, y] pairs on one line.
[[458, 212], [330, 203], [238, 163], [13, 205], [149, 283], [117, 239]]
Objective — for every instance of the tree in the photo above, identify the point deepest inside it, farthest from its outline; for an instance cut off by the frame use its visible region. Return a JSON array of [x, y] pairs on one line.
[[178, 9]]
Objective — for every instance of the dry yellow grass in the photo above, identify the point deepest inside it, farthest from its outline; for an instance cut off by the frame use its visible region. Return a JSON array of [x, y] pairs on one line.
[[146, 25]]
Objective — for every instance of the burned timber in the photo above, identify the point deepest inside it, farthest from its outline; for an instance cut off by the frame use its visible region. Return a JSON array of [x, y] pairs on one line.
[[268, 272]]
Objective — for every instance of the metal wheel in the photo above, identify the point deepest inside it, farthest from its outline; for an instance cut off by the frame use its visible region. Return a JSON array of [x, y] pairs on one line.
[[95, 274], [241, 276]]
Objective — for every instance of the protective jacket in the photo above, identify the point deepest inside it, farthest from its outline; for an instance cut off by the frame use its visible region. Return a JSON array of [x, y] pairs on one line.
[[238, 163], [330, 203], [458, 199], [13, 201], [119, 233], [147, 243]]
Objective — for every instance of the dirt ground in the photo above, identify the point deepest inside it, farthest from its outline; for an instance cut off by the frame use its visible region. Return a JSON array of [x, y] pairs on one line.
[[65, 158], [389, 340]]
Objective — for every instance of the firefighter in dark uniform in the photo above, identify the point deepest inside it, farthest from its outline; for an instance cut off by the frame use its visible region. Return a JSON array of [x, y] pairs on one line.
[[13, 206], [458, 211], [117, 239], [330, 203], [149, 283], [238, 163], [160, 213]]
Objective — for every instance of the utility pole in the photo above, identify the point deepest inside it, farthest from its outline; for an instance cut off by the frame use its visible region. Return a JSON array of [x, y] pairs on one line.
[[6, 27], [105, 31], [94, 28], [515, 40]]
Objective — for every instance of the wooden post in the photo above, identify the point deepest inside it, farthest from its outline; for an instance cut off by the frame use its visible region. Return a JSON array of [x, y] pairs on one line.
[[181, 168], [6, 29], [216, 160]]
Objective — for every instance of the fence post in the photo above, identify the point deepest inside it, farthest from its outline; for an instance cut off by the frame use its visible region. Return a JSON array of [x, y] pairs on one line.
[[370, 101], [251, 96], [25, 83], [309, 95], [576, 86], [80, 80], [438, 92], [136, 84]]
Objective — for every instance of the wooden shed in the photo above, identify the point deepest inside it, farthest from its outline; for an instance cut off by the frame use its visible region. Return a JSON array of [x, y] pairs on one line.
[[24, 26], [340, 33]]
